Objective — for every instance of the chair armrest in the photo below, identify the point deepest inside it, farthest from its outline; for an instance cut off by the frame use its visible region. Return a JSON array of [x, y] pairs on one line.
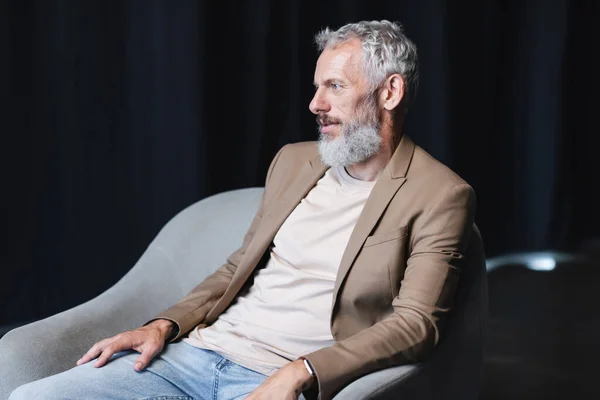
[[388, 383], [54, 344]]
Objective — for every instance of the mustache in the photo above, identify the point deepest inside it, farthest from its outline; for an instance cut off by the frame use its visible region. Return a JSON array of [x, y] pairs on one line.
[[327, 120]]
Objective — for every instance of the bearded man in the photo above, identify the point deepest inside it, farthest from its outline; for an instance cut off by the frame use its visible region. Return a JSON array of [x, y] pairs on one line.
[[350, 266]]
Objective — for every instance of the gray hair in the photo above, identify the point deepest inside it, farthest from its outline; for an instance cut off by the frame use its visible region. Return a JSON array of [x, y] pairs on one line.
[[386, 50]]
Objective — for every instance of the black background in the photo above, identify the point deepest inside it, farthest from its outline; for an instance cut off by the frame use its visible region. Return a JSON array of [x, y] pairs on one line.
[[118, 114]]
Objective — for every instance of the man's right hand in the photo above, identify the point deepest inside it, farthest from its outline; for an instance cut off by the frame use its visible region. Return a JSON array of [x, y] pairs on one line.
[[148, 340]]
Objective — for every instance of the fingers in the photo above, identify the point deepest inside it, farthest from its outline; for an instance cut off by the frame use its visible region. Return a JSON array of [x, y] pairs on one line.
[[104, 349], [151, 349], [108, 352], [94, 351], [148, 342]]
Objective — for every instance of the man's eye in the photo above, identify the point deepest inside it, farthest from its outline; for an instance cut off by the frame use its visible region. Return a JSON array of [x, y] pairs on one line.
[[335, 86]]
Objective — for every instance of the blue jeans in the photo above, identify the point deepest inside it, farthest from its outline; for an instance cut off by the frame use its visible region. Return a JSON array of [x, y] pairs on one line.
[[181, 371]]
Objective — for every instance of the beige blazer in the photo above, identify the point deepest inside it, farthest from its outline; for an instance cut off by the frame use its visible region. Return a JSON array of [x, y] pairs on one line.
[[398, 275]]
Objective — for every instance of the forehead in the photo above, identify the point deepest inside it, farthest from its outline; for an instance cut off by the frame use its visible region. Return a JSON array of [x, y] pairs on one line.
[[340, 62]]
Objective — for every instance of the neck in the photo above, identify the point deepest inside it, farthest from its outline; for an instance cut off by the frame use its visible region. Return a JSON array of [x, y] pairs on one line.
[[371, 168]]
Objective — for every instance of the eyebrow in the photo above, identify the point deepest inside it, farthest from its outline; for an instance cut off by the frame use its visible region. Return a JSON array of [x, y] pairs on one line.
[[328, 82]]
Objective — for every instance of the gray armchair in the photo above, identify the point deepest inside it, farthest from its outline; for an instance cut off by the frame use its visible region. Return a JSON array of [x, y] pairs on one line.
[[192, 245]]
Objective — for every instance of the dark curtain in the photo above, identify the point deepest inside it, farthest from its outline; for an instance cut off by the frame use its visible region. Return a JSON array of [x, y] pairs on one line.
[[118, 114]]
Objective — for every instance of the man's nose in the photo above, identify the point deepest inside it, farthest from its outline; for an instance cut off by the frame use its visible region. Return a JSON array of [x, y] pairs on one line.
[[319, 103]]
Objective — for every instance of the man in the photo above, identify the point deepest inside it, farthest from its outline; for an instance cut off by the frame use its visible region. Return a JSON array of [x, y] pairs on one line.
[[350, 265]]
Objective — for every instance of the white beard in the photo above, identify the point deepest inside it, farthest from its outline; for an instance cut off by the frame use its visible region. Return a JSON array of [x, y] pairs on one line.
[[359, 138], [356, 143]]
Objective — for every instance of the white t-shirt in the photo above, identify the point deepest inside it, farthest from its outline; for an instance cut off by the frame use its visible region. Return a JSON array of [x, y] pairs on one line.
[[286, 312]]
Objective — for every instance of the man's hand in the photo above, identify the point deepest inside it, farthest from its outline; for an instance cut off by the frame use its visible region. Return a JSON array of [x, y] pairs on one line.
[[286, 384], [148, 340]]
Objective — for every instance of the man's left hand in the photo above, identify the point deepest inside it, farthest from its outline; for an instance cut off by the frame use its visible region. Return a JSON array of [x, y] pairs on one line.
[[286, 384]]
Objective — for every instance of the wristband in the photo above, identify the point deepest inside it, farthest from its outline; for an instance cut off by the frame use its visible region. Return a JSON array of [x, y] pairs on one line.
[[309, 368]]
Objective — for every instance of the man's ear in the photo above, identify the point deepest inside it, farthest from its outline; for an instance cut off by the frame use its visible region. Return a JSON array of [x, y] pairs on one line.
[[393, 92]]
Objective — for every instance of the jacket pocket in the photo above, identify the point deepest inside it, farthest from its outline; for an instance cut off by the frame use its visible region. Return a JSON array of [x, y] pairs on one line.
[[379, 238]]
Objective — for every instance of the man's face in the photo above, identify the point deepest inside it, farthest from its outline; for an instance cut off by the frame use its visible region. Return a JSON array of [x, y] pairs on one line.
[[347, 113]]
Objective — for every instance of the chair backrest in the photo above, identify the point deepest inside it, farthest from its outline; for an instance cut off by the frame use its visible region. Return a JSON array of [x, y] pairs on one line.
[[459, 358], [198, 240], [189, 247]]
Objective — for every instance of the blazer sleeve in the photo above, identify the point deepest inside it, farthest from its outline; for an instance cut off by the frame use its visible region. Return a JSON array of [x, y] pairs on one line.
[[193, 308], [425, 298]]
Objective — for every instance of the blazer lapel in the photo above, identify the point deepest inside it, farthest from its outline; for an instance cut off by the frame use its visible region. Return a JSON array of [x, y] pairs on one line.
[[311, 172], [390, 180]]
